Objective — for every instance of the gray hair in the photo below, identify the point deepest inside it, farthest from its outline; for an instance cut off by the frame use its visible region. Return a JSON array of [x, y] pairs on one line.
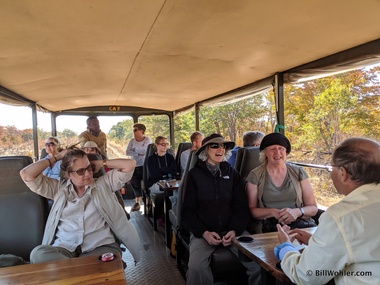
[[252, 138]]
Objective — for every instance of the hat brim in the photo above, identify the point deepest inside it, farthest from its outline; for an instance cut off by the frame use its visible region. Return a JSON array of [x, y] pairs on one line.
[[229, 144]]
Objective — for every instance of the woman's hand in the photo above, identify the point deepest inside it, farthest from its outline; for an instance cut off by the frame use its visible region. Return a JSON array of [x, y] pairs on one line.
[[287, 215], [227, 238], [212, 238]]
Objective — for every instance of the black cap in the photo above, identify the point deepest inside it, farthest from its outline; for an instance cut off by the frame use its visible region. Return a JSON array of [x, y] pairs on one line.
[[275, 138]]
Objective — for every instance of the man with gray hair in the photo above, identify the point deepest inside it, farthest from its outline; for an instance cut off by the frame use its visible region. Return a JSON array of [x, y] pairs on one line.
[[345, 245], [251, 138]]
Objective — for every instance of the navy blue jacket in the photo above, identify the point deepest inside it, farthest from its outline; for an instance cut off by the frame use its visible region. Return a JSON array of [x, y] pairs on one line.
[[216, 203]]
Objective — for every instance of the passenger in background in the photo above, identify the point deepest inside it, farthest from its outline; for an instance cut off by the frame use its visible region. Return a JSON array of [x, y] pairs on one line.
[[346, 242], [249, 139], [161, 166], [278, 191], [137, 148], [93, 133], [215, 209], [196, 142], [85, 218], [92, 147], [54, 168]]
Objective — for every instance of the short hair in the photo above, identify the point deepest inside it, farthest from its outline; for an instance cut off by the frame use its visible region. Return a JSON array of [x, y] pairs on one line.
[[361, 159], [195, 135], [252, 138], [140, 127], [67, 161], [54, 139], [90, 119], [158, 139]]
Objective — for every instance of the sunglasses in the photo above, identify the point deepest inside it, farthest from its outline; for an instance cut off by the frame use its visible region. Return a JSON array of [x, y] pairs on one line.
[[135, 130], [217, 145], [50, 144], [89, 149], [82, 171]]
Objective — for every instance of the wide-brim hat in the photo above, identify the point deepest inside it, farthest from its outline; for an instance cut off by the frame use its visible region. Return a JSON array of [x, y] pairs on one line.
[[215, 138], [276, 139], [91, 144]]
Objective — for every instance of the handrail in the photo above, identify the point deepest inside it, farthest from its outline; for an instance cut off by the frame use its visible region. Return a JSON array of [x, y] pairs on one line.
[[318, 166]]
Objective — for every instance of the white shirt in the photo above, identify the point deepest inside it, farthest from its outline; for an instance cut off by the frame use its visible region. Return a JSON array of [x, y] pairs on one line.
[[81, 224], [138, 149], [346, 243]]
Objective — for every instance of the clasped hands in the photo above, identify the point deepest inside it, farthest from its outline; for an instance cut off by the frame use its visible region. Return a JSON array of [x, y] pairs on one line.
[[213, 238], [287, 215]]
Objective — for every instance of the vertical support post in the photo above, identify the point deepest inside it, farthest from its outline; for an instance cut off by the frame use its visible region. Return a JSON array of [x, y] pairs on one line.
[[279, 101], [196, 116], [53, 122], [171, 128], [35, 133]]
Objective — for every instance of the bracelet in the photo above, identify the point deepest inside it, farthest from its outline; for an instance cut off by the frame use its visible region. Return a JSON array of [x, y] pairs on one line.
[[105, 163], [55, 159], [50, 162]]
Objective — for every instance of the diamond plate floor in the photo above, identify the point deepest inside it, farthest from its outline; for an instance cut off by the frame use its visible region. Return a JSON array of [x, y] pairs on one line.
[[156, 265]]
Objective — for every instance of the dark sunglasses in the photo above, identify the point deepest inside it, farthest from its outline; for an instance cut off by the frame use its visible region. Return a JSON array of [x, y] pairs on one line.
[[50, 144], [82, 171], [135, 130], [89, 149], [217, 145]]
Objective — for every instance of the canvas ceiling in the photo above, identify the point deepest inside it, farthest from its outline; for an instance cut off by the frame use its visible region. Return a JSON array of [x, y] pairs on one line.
[[167, 55]]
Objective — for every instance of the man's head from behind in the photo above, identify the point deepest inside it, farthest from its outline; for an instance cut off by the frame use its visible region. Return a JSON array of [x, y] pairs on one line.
[[196, 140], [252, 138], [358, 161]]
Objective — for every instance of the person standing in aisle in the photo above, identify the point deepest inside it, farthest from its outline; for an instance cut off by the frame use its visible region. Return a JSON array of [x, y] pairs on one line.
[[137, 148]]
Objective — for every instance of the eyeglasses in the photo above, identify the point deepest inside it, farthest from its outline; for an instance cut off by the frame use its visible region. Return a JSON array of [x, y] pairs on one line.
[[163, 144], [135, 130], [89, 149], [217, 145], [82, 171], [329, 168], [50, 144]]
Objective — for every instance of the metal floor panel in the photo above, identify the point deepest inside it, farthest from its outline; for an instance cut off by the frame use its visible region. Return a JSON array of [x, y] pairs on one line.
[[156, 265]]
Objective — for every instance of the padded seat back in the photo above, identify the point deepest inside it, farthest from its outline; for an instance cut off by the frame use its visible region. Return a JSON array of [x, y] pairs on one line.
[[175, 214], [23, 213], [247, 159], [149, 152], [181, 148]]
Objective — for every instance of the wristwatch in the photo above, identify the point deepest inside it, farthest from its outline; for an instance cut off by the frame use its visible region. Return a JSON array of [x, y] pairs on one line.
[[302, 212]]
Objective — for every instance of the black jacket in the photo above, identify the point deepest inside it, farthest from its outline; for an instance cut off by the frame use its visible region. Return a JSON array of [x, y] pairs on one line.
[[215, 203], [161, 168]]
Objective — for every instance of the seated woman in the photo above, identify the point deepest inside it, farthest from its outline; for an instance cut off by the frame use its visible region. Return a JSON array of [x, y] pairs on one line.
[[85, 218], [279, 192], [54, 168], [161, 166], [215, 209]]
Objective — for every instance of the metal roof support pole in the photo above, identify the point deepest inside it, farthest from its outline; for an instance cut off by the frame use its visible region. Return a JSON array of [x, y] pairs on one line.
[[279, 101], [53, 121], [171, 128], [35, 133], [196, 116]]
